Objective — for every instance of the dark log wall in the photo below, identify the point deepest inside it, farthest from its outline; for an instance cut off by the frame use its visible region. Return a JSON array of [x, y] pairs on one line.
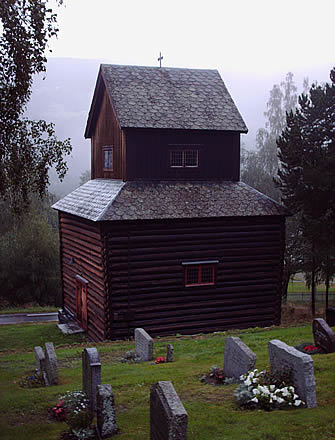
[[107, 132], [148, 154], [82, 253], [147, 279]]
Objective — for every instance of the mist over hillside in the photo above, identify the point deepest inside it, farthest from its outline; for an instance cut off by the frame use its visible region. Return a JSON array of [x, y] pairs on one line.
[[64, 97]]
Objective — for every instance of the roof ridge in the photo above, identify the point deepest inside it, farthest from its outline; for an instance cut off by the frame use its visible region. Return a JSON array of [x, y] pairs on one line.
[[160, 68], [110, 203]]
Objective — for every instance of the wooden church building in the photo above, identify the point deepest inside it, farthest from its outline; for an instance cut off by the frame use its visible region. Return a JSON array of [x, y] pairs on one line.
[[165, 236]]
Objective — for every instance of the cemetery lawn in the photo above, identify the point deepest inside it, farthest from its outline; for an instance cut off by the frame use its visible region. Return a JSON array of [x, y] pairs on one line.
[[28, 309], [212, 411]]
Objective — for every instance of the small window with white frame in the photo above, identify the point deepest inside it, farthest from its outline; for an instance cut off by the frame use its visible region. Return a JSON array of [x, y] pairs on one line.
[[108, 157], [187, 158]]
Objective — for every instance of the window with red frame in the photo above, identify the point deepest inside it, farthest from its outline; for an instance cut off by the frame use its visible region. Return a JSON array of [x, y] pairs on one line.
[[199, 273], [184, 158]]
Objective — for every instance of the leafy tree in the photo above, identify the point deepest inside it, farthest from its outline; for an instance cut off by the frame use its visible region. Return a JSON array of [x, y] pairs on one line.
[[306, 150], [29, 257], [28, 149], [260, 167]]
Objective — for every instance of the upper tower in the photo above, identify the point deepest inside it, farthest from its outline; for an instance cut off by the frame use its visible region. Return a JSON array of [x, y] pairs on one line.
[[163, 124]]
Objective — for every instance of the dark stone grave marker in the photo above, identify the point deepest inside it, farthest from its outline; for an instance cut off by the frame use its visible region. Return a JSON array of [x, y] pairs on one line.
[[238, 358], [91, 374], [283, 357], [324, 337], [168, 418], [41, 364], [106, 420], [51, 365], [40, 359], [144, 345], [169, 353]]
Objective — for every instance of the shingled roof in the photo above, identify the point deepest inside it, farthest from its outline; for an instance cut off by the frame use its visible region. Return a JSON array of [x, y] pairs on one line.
[[107, 199], [154, 97]]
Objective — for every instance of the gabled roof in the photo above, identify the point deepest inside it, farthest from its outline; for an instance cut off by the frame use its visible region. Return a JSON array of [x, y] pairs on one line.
[[154, 97], [107, 199]]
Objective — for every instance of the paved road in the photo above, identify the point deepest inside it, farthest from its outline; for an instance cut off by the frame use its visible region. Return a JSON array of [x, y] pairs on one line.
[[20, 318]]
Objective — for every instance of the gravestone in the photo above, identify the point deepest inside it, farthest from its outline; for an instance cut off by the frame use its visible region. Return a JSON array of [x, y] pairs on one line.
[[238, 358], [283, 357], [40, 359], [106, 421], [324, 337], [41, 364], [144, 345], [91, 374], [169, 353], [51, 365], [168, 418]]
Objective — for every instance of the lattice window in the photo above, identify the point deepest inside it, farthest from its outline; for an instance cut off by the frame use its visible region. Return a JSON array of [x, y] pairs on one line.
[[199, 274], [108, 157], [184, 158], [190, 158]]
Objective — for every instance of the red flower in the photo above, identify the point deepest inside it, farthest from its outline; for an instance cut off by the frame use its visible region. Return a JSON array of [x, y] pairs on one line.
[[310, 348], [160, 360]]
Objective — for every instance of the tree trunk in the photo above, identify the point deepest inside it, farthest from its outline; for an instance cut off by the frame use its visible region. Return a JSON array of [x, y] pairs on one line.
[[327, 280], [285, 281], [313, 281]]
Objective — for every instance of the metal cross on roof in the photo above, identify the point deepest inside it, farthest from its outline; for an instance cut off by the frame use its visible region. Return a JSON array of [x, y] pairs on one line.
[[160, 59]]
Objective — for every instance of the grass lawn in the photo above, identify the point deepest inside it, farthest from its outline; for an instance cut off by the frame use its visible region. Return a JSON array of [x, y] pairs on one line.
[[300, 286], [28, 309], [212, 412]]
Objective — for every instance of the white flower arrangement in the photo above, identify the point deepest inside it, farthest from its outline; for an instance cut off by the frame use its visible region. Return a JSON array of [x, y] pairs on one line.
[[253, 391]]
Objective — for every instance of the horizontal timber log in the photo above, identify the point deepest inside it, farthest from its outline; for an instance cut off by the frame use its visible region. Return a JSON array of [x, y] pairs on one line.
[[83, 241], [80, 229], [201, 326], [145, 229], [83, 256]]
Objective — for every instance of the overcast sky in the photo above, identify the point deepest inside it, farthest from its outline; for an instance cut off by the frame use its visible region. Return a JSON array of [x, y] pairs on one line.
[[257, 36]]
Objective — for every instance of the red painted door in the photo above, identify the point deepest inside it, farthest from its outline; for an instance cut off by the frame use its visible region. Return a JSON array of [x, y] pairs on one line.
[[81, 301]]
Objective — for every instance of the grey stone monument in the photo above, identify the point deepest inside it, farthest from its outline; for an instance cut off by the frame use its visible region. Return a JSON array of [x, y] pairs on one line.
[[106, 421], [238, 358], [40, 359], [283, 357], [144, 345], [169, 353], [168, 418], [91, 374], [51, 365], [324, 337], [41, 364]]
